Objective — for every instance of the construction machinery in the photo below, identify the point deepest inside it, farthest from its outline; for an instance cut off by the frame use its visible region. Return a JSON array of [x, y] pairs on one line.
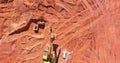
[[41, 24], [49, 54], [36, 28]]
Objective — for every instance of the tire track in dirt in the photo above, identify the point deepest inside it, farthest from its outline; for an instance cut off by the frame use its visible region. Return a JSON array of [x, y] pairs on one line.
[[84, 28], [80, 32], [75, 31], [81, 23], [63, 5]]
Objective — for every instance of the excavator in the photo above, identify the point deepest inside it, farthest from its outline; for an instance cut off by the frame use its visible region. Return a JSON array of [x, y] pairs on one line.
[[49, 55]]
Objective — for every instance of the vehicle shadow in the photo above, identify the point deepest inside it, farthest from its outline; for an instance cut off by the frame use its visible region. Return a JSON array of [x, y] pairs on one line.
[[57, 52]]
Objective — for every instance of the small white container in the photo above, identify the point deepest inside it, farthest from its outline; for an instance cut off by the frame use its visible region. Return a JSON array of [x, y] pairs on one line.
[[64, 54]]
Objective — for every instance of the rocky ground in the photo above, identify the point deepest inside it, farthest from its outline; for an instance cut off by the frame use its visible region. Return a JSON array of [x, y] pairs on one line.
[[89, 29]]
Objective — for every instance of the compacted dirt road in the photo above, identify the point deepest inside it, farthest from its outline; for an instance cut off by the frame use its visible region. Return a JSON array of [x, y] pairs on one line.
[[89, 30]]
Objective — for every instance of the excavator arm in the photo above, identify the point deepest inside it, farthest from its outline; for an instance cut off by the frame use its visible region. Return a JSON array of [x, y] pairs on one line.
[[48, 56]]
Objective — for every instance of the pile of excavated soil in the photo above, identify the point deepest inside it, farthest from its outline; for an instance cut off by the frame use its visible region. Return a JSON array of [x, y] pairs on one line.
[[89, 30]]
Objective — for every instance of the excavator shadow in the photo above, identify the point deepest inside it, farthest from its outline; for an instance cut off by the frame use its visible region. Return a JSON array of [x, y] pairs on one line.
[[57, 52], [55, 47]]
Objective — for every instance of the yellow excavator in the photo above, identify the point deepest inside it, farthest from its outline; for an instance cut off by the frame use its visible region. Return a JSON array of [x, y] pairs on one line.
[[49, 55]]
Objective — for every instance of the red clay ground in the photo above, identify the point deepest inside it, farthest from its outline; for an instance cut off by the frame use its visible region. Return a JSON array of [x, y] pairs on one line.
[[90, 29]]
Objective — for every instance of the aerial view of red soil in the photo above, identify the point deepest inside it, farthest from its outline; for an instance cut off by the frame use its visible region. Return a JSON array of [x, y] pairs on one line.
[[89, 30]]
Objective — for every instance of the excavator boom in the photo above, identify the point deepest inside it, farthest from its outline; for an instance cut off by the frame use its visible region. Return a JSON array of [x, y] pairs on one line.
[[48, 56]]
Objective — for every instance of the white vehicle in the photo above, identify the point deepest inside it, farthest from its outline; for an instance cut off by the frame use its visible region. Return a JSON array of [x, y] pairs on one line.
[[36, 28]]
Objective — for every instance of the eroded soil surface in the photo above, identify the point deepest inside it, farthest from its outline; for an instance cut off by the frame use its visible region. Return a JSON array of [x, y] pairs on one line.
[[88, 29]]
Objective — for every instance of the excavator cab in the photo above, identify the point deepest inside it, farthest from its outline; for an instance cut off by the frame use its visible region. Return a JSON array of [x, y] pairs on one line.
[[46, 57]]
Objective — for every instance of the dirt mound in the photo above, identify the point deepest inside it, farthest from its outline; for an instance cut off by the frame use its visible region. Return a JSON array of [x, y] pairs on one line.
[[87, 29]]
